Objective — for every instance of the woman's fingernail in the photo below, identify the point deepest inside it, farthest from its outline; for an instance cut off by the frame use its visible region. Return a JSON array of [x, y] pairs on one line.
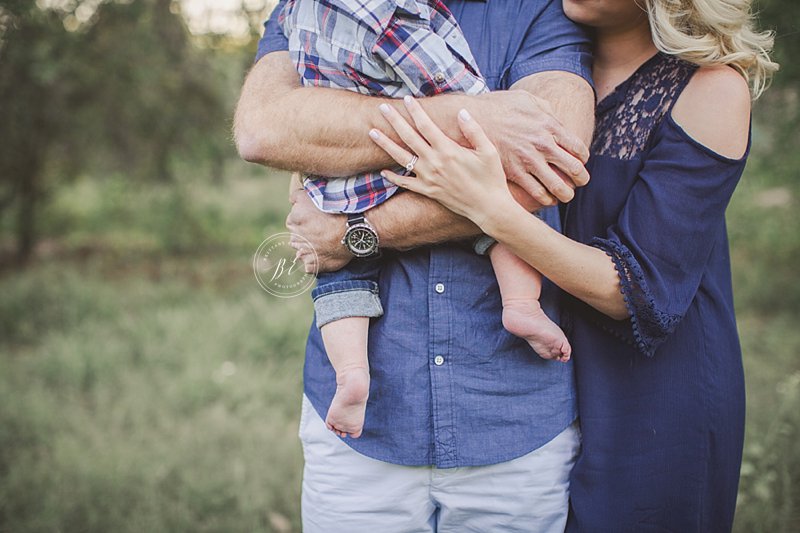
[[408, 99], [384, 108], [383, 173], [464, 115], [374, 134]]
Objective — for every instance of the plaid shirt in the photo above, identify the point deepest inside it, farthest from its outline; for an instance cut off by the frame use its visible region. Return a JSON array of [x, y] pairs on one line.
[[388, 48]]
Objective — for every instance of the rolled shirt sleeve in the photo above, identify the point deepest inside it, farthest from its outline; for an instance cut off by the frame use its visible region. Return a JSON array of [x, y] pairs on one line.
[[553, 43], [273, 39]]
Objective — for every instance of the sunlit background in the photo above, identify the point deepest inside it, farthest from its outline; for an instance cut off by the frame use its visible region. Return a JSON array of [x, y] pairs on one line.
[[229, 17], [147, 383]]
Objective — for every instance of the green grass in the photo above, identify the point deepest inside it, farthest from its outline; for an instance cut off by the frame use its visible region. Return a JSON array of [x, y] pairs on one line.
[[144, 388], [148, 384]]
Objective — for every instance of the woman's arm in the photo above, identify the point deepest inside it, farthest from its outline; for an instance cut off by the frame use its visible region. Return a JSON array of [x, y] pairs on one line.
[[665, 232], [584, 271], [472, 184]]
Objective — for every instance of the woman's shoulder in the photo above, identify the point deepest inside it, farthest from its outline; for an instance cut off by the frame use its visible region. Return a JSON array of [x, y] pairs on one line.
[[714, 110]]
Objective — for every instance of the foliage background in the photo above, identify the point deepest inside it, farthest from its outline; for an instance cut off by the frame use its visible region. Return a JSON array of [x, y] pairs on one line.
[[146, 382]]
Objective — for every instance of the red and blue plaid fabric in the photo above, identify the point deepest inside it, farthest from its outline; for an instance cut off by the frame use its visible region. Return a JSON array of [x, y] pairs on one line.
[[388, 48]]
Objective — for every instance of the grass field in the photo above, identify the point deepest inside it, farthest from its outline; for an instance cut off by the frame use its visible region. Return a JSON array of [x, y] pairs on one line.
[[148, 384]]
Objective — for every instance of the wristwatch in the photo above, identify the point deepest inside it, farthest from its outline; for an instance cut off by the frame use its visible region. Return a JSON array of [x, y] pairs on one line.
[[360, 237]]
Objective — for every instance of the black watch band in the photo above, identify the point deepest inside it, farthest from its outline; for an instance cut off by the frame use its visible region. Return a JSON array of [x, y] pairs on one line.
[[355, 218]]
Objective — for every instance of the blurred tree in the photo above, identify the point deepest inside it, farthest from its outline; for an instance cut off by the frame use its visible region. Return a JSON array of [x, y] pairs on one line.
[[36, 87], [778, 112], [98, 86], [155, 93], [783, 16], [122, 89]]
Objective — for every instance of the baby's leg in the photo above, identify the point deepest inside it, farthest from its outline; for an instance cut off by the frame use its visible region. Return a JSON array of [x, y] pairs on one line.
[[520, 288], [346, 343]]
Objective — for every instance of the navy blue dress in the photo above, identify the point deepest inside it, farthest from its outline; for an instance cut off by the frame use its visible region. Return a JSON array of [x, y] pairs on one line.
[[661, 395]]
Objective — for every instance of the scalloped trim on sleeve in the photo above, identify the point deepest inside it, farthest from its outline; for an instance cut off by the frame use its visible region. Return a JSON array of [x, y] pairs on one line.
[[651, 326]]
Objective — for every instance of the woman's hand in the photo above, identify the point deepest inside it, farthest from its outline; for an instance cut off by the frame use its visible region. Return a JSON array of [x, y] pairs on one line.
[[469, 182]]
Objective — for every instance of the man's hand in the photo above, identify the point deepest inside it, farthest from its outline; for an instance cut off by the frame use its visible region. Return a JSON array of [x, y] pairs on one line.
[[538, 153], [323, 230]]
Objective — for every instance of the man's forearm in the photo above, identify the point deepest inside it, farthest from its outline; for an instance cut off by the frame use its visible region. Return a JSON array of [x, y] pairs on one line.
[[281, 124], [410, 220]]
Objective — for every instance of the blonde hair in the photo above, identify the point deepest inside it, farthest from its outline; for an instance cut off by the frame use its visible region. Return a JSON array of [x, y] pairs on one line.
[[714, 32]]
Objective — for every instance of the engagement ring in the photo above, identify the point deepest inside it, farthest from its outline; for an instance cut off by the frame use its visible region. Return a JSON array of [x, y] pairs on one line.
[[410, 165]]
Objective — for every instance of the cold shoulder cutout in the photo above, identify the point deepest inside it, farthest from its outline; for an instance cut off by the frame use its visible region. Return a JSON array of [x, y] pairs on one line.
[[714, 110]]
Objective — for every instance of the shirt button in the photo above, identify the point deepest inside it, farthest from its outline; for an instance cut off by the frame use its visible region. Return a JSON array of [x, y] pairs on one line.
[[439, 288], [438, 77], [438, 360]]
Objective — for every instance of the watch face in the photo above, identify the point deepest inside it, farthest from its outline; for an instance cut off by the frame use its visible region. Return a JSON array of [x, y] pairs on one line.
[[361, 241]]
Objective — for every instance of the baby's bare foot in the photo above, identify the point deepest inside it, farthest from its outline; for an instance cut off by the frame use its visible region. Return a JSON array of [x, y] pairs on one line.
[[525, 319], [346, 413]]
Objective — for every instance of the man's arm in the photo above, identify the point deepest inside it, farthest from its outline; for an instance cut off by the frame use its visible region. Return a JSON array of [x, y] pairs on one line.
[[406, 221], [323, 131], [409, 220]]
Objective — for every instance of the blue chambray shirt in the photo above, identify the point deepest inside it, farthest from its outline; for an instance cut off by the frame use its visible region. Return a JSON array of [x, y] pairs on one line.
[[450, 387]]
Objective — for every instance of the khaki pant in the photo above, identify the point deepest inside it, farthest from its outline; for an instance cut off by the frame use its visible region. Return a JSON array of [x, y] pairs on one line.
[[349, 492]]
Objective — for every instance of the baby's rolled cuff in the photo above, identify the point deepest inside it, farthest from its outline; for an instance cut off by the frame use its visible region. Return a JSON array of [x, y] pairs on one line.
[[344, 299], [483, 244]]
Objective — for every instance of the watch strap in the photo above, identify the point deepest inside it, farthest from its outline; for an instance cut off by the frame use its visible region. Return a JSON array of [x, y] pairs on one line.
[[356, 218]]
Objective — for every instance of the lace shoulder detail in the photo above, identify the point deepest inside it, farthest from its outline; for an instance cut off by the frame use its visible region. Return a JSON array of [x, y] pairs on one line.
[[627, 118]]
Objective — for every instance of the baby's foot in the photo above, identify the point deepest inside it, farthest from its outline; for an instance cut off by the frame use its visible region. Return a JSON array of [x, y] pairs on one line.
[[346, 413], [525, 319]]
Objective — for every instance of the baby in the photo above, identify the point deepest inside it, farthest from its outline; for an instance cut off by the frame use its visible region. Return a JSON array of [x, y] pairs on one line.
[[389, 48]]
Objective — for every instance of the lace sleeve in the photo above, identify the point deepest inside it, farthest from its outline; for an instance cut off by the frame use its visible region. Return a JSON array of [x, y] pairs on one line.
[[650, 326]]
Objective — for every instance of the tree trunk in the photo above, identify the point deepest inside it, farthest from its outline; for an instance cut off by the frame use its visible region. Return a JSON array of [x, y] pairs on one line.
[[28, 199]]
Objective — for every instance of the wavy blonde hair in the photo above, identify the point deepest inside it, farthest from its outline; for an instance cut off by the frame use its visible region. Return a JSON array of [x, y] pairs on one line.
[[714, 32]]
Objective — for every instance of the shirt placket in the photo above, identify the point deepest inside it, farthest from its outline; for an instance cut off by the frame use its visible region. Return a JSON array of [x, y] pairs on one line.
[[440, 358]]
